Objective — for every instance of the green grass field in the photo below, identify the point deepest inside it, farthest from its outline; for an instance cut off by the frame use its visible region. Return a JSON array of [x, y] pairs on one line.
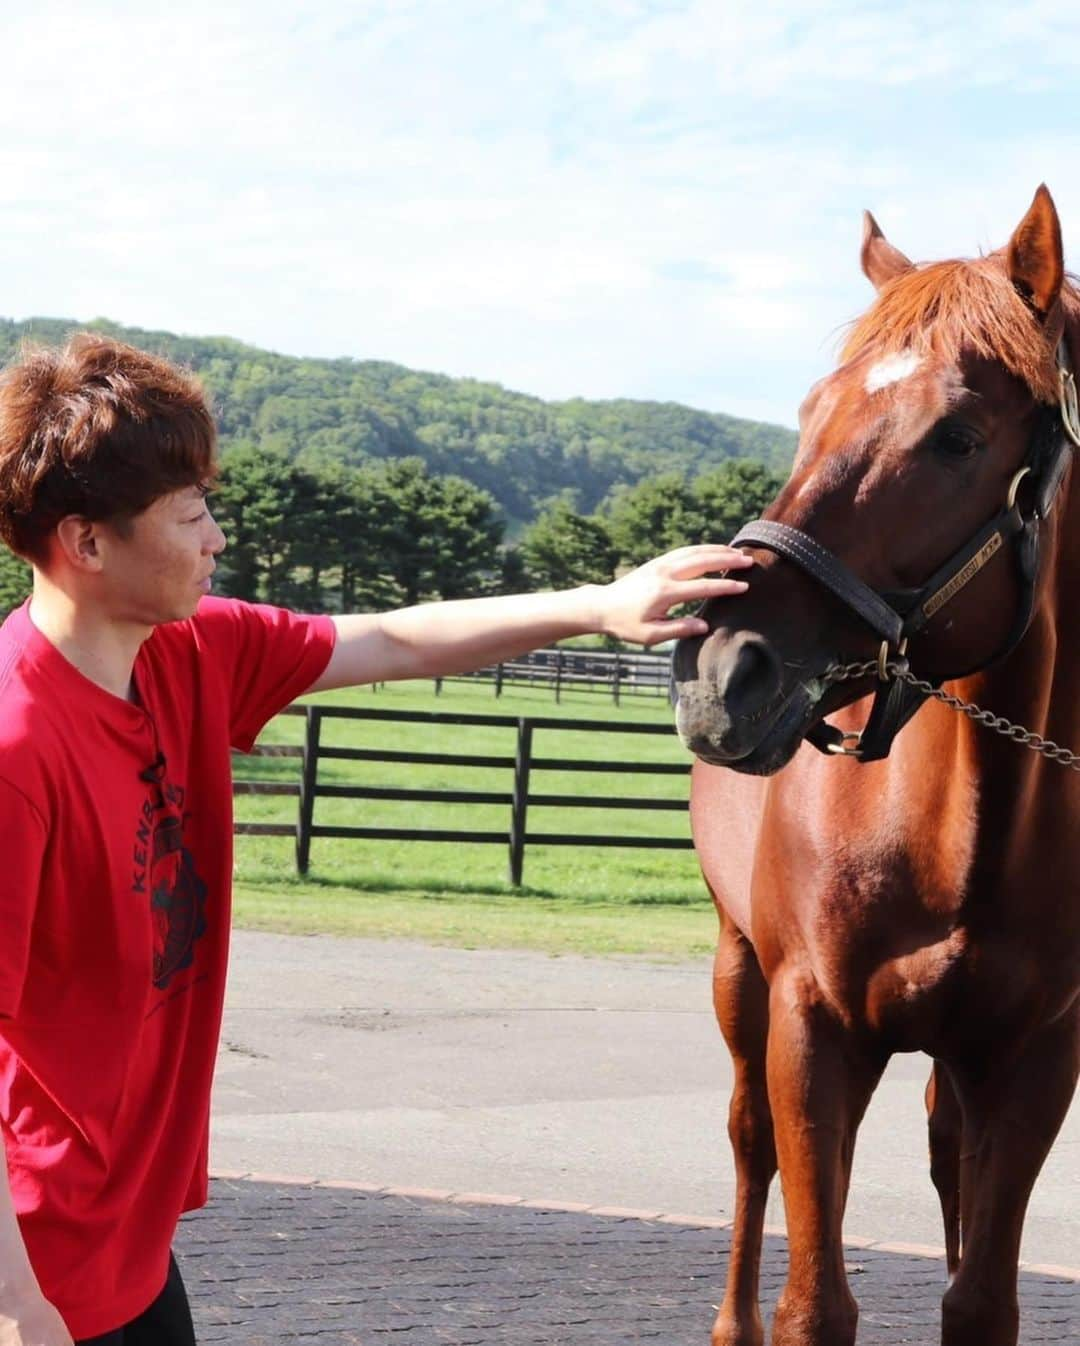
[[585, 899]]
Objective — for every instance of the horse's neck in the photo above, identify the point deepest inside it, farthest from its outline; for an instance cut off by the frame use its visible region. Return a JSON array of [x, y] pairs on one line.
[[991, 804], [1036, 685]]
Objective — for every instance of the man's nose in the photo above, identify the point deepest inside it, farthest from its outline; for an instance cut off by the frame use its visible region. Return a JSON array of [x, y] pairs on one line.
[[217, 539]]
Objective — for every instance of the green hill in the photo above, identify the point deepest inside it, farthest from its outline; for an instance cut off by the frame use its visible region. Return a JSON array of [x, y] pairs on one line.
[[521, 449]]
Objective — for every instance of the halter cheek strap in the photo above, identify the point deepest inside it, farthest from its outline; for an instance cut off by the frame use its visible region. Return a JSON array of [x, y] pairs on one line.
[[827, 568], [895, 617]]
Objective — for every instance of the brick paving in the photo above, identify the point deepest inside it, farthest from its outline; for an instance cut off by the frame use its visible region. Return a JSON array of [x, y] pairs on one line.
[[302, 1262]]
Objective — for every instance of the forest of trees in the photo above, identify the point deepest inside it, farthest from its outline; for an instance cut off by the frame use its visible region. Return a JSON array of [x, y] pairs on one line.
[[356, 484], [339, 539], [520, 449]]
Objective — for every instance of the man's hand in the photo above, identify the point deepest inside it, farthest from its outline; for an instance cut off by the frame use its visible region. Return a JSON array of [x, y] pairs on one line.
[[635, 607], [28, 1319]]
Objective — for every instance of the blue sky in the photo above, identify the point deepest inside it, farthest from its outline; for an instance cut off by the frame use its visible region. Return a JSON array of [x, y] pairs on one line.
[[610, 199]]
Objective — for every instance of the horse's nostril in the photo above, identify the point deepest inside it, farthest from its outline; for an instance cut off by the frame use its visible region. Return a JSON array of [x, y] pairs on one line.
[[753, 678]]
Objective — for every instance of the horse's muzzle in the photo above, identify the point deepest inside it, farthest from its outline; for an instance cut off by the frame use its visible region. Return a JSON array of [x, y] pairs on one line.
[[731, 705]]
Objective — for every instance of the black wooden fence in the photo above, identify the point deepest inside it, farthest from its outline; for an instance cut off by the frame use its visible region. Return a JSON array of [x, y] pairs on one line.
[[517, 799], [616, 672]]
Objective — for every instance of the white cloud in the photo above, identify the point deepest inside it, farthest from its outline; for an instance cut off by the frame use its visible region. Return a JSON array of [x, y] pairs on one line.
[[629, 198], [772, 45]]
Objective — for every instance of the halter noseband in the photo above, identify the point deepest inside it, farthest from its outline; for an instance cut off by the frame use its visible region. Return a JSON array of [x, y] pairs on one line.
[[895, 617]]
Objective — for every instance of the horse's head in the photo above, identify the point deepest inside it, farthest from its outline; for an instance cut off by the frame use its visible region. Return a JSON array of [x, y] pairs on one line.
[[906, 527]]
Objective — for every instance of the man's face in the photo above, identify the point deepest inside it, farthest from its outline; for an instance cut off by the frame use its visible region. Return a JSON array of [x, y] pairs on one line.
[[162, 568]]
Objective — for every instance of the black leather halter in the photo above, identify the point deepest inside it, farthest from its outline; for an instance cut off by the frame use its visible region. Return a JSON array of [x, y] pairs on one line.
[[895, 617]]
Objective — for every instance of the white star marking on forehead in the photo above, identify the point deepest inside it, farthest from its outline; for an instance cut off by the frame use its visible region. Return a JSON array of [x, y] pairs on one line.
[[891, 369]]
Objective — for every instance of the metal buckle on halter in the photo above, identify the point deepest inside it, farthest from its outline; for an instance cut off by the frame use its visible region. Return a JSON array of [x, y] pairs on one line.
[[883, 658], [841, 749], [850, 741], [1014, 485], [1070, 409]]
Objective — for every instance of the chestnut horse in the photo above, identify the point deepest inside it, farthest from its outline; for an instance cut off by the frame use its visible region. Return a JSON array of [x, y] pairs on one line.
[[915, 890]]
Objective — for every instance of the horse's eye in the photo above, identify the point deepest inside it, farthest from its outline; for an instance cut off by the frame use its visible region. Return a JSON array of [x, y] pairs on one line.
[[956, 441]]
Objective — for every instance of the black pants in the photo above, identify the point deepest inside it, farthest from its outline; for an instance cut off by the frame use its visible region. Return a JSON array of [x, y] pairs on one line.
[[167, 1322]]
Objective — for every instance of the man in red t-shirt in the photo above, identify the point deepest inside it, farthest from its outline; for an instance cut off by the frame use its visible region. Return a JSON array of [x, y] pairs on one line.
[[123, 686]]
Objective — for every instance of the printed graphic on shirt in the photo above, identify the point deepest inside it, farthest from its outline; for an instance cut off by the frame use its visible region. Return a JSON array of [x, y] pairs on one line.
[[165, 871]]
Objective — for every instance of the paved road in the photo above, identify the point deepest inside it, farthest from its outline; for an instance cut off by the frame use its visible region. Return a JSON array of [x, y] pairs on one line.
[[267, 1264], [583, 1080]]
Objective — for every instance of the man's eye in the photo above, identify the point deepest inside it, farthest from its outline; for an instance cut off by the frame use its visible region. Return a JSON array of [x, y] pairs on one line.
[[956, 441]]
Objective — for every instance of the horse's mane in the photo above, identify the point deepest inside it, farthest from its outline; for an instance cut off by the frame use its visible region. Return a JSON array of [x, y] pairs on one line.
[[944, 308]]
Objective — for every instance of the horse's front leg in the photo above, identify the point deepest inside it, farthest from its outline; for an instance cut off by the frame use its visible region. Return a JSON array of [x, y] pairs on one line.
[[1011, 1116], [944, 1127], [820, 1081], [741, 998]]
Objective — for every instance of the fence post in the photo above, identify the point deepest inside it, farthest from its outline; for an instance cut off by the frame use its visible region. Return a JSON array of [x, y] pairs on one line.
[[615, 684], [520, 806], [438, 686], [308, 776], [558, 676], [498, 680]]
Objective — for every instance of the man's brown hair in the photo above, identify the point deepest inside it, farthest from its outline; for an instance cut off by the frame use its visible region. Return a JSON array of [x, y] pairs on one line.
[[98, 429]]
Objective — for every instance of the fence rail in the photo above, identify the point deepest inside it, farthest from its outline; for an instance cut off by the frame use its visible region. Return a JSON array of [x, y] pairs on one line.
[[614, 671], [517, 798]]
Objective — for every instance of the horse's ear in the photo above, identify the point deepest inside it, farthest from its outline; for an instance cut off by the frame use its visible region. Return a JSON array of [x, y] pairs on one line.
[[1034, 256], [881, 262]]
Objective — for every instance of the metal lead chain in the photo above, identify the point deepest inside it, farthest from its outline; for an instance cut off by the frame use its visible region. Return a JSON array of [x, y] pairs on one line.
[[998, 723]]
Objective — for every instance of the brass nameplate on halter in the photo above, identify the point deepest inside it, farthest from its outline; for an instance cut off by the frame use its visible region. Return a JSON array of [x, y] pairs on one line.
[[963, 577]]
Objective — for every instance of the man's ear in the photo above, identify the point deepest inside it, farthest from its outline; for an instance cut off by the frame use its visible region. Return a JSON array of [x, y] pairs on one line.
[[78, 540]]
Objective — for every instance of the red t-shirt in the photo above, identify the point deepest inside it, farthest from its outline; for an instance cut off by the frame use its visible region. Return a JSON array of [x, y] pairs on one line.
[[115, 874]]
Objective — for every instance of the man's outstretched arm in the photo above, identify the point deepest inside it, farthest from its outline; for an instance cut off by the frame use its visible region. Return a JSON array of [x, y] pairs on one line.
[[439, 639]]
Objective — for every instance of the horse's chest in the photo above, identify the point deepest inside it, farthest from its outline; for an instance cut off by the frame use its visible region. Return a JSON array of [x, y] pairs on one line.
[[906, 996], [922, 979]]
